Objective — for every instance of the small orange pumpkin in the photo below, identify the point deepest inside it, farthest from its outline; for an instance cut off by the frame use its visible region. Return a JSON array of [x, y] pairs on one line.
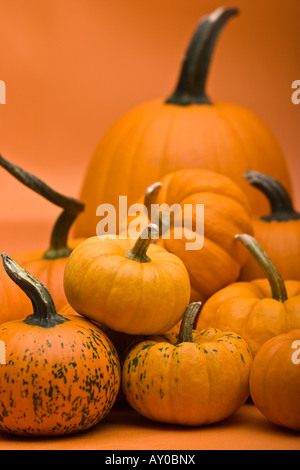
[[187, 130], [202, 379], [131, 286], [278, 232], [275, 380], [47, 265], [226, 212], [257, 310], [60, 375]]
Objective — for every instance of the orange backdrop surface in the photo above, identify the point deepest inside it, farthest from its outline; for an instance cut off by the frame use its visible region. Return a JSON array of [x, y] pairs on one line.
[[72, 67]]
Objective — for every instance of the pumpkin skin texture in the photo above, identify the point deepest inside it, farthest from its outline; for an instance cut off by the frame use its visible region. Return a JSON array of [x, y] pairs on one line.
[[253, 311], [187, 130], [275, 380], [62, 375], [278, 232], [226, 212], [46, 265], [142, 295], [202, 379]]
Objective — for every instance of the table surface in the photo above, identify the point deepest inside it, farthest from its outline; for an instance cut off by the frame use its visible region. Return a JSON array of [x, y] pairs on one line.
[[125, 429]]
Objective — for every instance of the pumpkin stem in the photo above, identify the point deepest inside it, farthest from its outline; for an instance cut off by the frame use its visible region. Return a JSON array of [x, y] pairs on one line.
[[71, 208], [150, 202], [282, 209], [187, 323], [192, 80], [139, 250], [44, 312], [274, 277]]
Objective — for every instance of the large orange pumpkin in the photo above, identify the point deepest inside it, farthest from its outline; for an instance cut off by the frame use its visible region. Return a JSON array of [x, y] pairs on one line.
[[202, 379], [187, 130], [47, 265], [226, 212], [59, 375], [275, 380], [257, 310], [277, 232], [130, 286]]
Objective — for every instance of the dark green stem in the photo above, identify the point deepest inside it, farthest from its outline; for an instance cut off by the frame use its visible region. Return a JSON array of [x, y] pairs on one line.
[[282, 209], [191, 86], [44, 312], [187, 323], [139, 251], [273, 275], [71, 208]]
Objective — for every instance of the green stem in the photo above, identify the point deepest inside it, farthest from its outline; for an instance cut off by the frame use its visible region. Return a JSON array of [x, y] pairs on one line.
[[71, 208], [282, 209], [44, 312], [139, 251], [187, 323], [192, 80], [273, 275]]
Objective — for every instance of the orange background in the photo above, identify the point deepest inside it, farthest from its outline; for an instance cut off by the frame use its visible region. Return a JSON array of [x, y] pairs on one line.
[[71, 68]]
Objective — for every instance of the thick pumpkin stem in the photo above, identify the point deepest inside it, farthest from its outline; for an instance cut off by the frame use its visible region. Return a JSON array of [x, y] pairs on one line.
[[44, 312], [273, 275], [282, 209], [150, 202], [139, 251], [187, 323], [71, 208], [192, 81]]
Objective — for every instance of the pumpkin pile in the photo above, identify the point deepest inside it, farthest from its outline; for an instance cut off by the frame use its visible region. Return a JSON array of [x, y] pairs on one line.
[[182, 335]]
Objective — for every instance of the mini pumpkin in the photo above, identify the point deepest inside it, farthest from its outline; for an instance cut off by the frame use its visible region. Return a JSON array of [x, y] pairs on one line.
[[186, 130], [275, 380], [257, 310], [47, 265], [60, 375], [130, 286], [278, 232], [217, 259], [202, 379]]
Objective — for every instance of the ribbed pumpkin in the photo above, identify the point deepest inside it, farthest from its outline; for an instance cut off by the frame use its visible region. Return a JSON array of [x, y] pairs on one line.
[[257, 310], [202, 379], [187, 130], [278, 232], [60, 375], [275, 380], [226, 212], [130, 286], [47, 265]]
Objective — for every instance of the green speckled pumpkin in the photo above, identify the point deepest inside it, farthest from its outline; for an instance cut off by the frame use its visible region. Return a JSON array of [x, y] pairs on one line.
[[60, 374], [202, 379]]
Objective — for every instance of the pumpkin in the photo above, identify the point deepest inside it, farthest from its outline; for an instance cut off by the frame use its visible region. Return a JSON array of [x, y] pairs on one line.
[[202, 379], [275, 380], [217, 259], [186, 130], [278, 232], [130, 286], [60, 375], [47, 265], [258, 310]]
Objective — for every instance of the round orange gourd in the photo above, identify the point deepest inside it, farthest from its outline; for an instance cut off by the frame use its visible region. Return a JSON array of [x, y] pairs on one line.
[[187, 130], [46, 265], [202, 379], [275, 380], [131, 286], [257, 310], [278, 232], [226, 212], [59, 375]]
